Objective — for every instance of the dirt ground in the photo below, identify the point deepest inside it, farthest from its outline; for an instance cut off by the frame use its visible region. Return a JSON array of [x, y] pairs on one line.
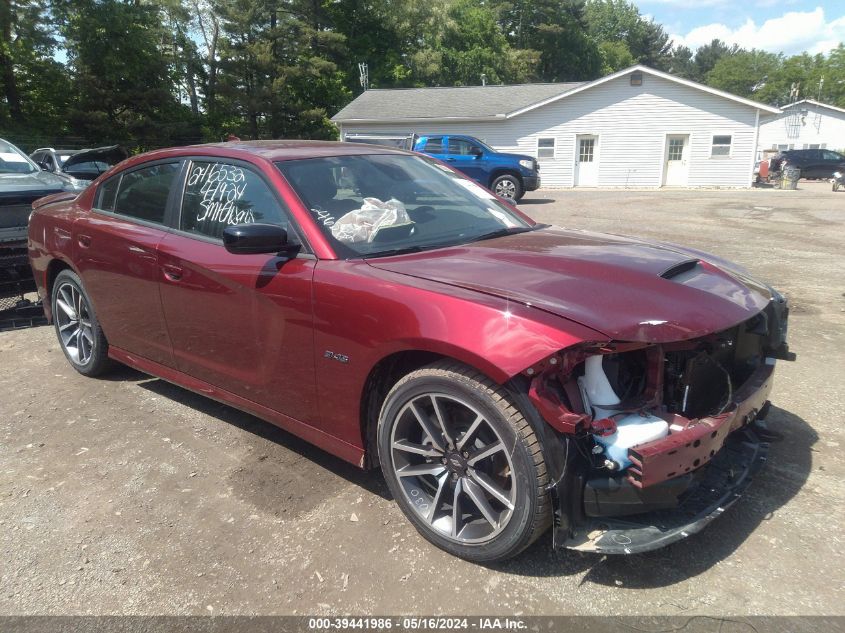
[[128, 495]]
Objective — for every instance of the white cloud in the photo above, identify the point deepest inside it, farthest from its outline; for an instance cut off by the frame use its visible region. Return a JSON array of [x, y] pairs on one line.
[[793, 32]]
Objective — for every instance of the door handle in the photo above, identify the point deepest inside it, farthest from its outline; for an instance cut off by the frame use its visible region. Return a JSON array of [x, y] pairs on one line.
[[84, 240], [173, 273], [450, 160]]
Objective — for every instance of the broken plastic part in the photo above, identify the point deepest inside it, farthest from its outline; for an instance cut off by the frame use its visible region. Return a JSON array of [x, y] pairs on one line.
[[552, 410]]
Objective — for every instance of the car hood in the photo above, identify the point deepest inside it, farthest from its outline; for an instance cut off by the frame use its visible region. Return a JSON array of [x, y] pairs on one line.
[[627, 289], [110, 155], [39, 182], [514, 157]]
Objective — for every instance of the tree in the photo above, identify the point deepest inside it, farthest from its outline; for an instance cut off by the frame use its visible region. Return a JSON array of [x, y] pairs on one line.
[[706, 57], [33, 85], [681, 63], [833, 91], [467, 46], [620, 21], [124, 80], [615, 56], [803, 70], [277, 73], [746, 73], [556, 30]]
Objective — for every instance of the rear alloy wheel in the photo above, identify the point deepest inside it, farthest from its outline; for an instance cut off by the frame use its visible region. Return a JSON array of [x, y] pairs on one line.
[[507, 186], [80, 336], [463, 463]]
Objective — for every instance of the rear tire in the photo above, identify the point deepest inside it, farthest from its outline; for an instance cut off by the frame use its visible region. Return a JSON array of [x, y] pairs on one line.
[[463, 463], [77, 328]]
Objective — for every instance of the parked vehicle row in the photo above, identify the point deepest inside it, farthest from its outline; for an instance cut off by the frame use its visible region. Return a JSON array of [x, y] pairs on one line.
[[79, 164], [506, 376], [22, 181], [817, 164]]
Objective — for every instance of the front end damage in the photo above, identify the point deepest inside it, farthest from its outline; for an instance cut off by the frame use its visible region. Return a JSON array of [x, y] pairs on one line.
[[655, 440]]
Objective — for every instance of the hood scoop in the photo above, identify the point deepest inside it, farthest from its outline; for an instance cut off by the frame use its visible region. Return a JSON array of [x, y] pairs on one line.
[[676, 270]]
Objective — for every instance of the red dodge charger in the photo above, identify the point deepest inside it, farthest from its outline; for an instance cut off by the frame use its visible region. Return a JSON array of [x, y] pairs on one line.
[[507, 376]]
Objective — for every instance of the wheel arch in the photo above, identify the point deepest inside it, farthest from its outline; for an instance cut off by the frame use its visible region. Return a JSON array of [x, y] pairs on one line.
[[387, 372], [505, 171], [55, 266]]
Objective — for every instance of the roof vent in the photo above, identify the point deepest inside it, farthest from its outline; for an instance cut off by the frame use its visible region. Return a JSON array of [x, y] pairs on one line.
[[636, 79]]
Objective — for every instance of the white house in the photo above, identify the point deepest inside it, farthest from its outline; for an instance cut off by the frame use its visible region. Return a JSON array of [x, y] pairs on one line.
[[805, 124], [638, 127]]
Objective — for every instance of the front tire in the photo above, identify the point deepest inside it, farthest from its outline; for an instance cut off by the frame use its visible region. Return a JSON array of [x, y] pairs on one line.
[[80, 335], [508, 186], [463, 463]]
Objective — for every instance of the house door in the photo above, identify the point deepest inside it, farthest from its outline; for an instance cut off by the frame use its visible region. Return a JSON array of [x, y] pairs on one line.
[[587, 161], [675, 170]]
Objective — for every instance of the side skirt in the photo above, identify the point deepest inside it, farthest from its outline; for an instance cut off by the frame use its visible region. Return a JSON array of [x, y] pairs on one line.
[[348, 452]]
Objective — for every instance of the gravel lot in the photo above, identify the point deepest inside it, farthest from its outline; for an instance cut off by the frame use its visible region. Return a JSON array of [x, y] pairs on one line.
[[129, 495]]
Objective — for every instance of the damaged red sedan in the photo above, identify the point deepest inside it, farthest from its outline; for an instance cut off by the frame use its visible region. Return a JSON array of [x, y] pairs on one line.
[[507, 376]]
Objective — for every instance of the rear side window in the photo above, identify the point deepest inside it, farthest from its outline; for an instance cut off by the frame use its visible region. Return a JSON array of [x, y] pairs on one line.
[[434, 145], [106, 194], [143, 193], [220, 194]]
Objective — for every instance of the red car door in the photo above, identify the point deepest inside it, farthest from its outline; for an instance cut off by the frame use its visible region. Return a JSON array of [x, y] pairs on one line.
[[115, 253], [242, 323]]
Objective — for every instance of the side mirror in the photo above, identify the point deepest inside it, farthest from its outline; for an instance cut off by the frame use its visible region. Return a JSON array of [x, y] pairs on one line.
[[44, 165], [477, 152], [252, 239]]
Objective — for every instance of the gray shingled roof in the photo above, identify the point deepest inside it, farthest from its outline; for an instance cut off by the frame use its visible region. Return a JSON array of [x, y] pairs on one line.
[[468, 102]]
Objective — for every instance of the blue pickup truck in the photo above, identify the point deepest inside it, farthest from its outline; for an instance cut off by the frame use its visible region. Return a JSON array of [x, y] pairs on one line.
[[507, 175]]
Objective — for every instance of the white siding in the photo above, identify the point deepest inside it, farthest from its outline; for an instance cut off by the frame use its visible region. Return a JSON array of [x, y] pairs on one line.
[[819, 126], [632, 124]]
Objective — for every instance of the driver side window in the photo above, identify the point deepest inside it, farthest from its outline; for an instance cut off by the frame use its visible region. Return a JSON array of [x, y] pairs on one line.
[[220, 194], [462, 147]]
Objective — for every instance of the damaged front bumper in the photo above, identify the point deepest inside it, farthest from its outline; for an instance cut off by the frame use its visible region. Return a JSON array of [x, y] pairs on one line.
[[697, 443], [715, 488], [677, 485]]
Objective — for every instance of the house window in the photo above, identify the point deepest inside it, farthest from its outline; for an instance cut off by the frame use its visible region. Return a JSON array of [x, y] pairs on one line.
[[721, 145], [636, 79], [545, 148]]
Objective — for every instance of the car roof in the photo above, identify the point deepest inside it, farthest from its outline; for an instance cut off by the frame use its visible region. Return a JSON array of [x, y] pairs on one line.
[[271, 150]]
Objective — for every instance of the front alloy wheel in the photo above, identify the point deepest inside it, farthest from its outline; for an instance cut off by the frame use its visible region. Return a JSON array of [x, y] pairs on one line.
[[507, 186], [463, 463]]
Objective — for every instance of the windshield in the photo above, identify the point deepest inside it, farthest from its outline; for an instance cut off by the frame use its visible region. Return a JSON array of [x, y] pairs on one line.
[[14, 161], [371, 205]]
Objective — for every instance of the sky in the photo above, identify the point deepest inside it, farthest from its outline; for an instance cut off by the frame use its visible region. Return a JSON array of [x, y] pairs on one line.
[[778, 26]]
